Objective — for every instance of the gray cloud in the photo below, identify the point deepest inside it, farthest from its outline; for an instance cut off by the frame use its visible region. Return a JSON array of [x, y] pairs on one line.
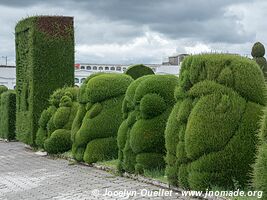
[[124, 24]]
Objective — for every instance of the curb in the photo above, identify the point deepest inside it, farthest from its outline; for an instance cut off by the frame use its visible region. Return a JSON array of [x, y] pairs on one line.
[[139, 178]]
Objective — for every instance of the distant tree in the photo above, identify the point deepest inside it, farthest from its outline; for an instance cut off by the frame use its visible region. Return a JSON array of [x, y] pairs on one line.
[[257, 53]]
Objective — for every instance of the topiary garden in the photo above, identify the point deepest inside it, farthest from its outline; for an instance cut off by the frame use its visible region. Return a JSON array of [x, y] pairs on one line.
[[146, 107], [99, 116], [201, 127], [211, 134]]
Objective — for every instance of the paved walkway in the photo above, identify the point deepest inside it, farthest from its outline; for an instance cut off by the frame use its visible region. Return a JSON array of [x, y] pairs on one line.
[[27, 176]]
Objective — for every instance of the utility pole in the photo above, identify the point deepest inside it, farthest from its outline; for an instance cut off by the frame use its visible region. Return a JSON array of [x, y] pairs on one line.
[[5, 58]]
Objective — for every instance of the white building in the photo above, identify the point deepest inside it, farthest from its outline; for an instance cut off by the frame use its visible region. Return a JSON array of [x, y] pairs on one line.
[[8, 76], [83, 70]]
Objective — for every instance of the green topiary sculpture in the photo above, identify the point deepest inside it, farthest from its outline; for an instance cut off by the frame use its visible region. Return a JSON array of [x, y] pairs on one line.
[[44, 63], [3, 89], [136, 71], [260, 168], [211, 132], [96, 124], [146, 107], [257, 53], [7, 114], [58, 116]]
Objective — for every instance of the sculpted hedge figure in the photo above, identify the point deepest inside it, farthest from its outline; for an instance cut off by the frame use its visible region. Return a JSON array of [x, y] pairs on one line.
[[95, 127], [146, 107], [211, 132], [57, 120]]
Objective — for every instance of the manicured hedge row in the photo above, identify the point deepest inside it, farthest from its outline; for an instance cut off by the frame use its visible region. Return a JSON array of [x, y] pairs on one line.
[[260, 168], [146, 107], [2, 90], [55, 122], [211, 132], [96, 124], [7, 115], [44, 62], [136, 71]]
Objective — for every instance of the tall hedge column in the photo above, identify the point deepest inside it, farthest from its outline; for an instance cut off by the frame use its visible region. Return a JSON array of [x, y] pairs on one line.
[[44, 60]]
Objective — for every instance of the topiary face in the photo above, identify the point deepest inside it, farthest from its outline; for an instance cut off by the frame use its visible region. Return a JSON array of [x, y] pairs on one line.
[[211, 133], [147, 105], [99, 116]]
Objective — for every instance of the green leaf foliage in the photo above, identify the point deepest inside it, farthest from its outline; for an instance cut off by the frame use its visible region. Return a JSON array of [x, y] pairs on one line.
[[7, 114], [59, 142], [99, 116], [146, 107], [3, 89], [260, 167], [100, 150], [257, 53], [258, 50], [211, 132], [136, 71], [261, 61], [44, 63]]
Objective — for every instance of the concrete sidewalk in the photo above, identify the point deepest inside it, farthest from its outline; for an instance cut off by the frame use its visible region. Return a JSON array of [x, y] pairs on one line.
[[27, 176]]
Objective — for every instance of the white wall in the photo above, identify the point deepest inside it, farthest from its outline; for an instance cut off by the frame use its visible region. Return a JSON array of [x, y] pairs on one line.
[[8, 76]]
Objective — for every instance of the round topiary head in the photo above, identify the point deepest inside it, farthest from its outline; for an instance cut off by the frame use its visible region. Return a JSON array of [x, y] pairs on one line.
[[105, 86], [137, 71], [71, 92], [3, 89], [258, 50]]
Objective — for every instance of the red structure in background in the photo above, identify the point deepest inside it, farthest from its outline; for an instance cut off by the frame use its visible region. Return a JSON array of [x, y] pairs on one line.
[[77, 66]]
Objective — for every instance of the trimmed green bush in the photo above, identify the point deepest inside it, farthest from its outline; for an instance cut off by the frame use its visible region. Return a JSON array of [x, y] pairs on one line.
[[146, 108], [211, 132], [101, 149], [136, 71], [260, 167], [8, 115], [3, 89], [257, 53], [44, 62], [96, 124], [59, 115], [58, 142], [258, 50]]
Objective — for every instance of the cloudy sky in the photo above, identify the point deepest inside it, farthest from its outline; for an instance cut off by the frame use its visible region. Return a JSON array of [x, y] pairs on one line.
[[145, 31]]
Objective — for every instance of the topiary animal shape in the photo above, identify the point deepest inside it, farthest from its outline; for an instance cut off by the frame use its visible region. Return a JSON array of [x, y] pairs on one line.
[[95, 127], [127, 163], [211, 132], [46, 122], [147, 105], [60, 140]]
